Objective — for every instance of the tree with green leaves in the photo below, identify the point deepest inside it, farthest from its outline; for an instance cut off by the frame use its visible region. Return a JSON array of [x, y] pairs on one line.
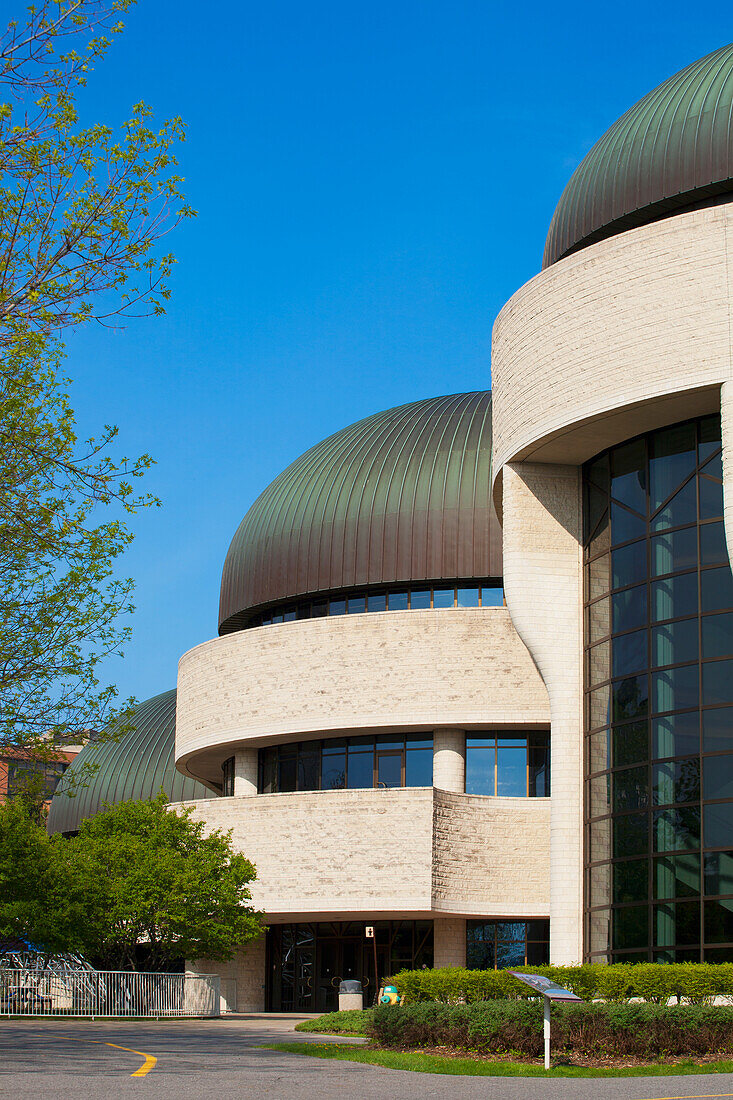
[[43, 900], [160, 883], [83, 211], [140, 881]]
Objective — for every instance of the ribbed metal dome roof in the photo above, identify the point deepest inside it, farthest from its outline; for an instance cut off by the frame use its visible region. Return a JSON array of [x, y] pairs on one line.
[[135, 767], [671, 149], [400, 496]]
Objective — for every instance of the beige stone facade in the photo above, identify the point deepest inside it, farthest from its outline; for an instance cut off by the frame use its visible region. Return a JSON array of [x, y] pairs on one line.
[[355, 673]]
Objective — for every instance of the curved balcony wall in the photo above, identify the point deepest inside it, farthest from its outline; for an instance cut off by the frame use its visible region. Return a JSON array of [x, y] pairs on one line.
[[623, 337], [457, 854], [416, 670]]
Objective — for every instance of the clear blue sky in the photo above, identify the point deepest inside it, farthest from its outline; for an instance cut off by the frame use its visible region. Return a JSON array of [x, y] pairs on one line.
[[373, 182]]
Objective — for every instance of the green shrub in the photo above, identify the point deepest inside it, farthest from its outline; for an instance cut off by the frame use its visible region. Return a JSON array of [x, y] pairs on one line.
[[655, 983], [353, 1021], [503, 1026]]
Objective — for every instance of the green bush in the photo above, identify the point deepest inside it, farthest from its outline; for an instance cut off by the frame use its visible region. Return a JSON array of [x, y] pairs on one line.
[[655, 983], [504, 1026], [352, 1021]]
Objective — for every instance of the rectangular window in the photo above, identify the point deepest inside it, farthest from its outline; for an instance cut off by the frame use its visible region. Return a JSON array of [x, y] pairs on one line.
[[508, 765], [496, 944]]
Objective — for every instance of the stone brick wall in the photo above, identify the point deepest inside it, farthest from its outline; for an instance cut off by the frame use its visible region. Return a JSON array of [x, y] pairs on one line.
[[242, 978], [491, 856], [449, 941], [403, 851], [330, 853], [352, 673]]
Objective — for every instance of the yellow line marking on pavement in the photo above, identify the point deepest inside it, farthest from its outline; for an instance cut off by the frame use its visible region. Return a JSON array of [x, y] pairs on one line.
[[150, 1060], [149, 1063], [693, 1096]]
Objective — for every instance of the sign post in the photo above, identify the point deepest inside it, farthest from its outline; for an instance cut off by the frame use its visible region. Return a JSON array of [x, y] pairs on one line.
[[369, 934], [550, 991]]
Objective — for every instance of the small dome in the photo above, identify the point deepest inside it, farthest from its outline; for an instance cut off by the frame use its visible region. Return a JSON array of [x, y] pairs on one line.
[[399, 497], [135, 767], [671, 149]]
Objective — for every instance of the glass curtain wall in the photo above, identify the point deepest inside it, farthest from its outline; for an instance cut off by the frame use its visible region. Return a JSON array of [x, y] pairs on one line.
[[658, 700]]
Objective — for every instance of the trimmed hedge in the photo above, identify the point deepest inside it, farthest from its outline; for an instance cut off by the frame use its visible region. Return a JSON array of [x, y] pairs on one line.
[[656, 983], [505, 1027]]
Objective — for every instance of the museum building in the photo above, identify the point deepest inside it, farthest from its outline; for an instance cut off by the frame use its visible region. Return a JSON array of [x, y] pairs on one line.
[[473, 684]]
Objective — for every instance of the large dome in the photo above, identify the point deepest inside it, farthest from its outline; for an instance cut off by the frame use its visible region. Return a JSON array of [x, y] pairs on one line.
[[401, 496], [671, 149], [135, 767]]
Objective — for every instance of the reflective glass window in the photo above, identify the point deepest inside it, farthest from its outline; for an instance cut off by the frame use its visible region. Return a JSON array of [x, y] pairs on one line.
[[357, 605], [719, 921], [718, 871], [630, 880], [419, 599], [480, 768], [712, 544], [718, 777], [377, 601], [674, 643], [717, 730], [718, 824], [629, 609], [628, 565], [717, 589], [511, 769], [492, 597], [444, 597], [675, 735], [631, 789], [467, 597], [630, 743], [717, 682], [360, 768], [418, 767], [630, 652], [397, 601], [675, 688], [674, 551], [717, 635], [711, 498]]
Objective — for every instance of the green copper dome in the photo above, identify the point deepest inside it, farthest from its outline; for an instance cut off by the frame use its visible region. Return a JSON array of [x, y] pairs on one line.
[[135, 767], [401, 496], [671, 149]]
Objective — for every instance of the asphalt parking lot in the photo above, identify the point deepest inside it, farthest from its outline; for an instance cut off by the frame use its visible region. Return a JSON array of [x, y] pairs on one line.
[[184, 1059]]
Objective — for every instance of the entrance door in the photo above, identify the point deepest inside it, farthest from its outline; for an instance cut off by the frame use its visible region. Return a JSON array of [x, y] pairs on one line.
[[328, 975]]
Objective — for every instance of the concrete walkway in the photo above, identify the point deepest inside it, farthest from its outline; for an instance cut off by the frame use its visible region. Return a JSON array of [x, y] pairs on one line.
[[188, 1060]]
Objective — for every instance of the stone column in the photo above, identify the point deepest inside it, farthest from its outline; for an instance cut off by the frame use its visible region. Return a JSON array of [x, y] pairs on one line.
[[449, 941], [449, 760], [543, 584], [245, 773]]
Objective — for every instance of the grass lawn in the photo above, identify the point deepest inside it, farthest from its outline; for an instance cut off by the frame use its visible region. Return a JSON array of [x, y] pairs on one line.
[[470, 1067]]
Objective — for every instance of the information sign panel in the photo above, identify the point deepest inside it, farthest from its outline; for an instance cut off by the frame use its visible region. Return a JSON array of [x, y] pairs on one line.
[[545, 986]]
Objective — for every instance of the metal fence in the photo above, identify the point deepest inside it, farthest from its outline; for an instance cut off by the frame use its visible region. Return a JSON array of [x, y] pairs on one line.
[[107, 993]]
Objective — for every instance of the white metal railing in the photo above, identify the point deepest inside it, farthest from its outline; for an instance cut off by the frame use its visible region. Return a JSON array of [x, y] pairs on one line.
[[107, 993]]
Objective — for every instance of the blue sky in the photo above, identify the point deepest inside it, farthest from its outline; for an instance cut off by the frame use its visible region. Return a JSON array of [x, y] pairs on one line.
[[373, 182]]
